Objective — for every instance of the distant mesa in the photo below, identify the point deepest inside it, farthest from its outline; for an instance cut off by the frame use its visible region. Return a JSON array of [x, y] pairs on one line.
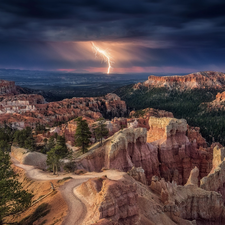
[[199, 80]]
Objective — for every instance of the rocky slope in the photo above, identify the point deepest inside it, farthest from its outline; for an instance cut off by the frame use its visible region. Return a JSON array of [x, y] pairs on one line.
[[215, 181], [68, 129], [126, 201], [124, 150], [27, 110], [217, 104], [199, 80], [7, 88], [140, 118], [163, 150], [177, 153]]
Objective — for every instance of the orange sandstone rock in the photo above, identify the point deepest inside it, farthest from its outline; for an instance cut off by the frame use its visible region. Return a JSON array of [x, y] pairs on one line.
[[208, 79]]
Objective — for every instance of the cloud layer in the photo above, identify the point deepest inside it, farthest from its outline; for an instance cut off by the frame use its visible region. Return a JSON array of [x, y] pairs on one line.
[[143, 34]]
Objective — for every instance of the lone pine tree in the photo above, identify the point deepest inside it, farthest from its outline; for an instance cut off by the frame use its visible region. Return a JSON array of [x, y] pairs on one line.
[[101, 129], [82, 135]]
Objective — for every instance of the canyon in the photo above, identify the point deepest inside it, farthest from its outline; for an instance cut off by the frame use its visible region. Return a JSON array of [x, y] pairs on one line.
[[151, 168], [164, 150], [173, 177], [22, 110]]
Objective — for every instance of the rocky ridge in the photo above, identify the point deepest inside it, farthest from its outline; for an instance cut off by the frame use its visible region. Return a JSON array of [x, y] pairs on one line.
[[126, 201], [199, 80], [217, 104], [163, 150], [22, 111], [123, 151], [179, 153]]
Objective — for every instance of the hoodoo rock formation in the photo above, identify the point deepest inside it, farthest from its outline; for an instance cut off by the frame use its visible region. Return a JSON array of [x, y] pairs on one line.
[[215, 181], [20, 103], [208, 79], [217, 104], [143, 116], [7, 87], [177, 154], [126, 201], [31, 109], [163, 150], [124, 150], [190, 203], [114, 201]]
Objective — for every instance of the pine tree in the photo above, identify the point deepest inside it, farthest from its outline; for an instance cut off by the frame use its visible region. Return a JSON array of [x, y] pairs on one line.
[[57, 152], [53, 160], [82, 135], [101, 129], [12, 197]]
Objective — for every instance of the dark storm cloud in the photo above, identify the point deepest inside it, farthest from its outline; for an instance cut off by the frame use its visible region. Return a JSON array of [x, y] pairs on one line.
[[104, 19], [193, 30]]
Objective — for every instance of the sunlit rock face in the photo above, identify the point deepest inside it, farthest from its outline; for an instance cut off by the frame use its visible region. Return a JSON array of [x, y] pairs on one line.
[[199, 80], [176, 153], [215, 181], [217, 104], [110, 200], [165, 150], [142, 119], [123, 151]]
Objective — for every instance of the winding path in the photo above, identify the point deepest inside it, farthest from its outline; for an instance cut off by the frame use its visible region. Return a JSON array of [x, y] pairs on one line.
[[76, 208]]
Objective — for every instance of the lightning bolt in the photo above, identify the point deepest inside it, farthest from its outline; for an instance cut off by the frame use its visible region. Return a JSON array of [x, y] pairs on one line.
[[105, 55]]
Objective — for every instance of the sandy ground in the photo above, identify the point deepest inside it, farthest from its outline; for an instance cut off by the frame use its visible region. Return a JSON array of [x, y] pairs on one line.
[[76, 208]]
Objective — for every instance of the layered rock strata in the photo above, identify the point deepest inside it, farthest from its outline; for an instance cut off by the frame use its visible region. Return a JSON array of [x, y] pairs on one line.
[[124, 150], [20, 103], [215, 181], [190, 202], [177, 154], [217, 104], [114, 201], [126, 201], [140, 119], [199, 80]]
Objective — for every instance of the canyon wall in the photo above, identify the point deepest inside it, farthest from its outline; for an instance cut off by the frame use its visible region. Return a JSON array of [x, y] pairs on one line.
[[164, 150], [126, 201], [141, 118], [176, 152], [199, 80], [124, 150]]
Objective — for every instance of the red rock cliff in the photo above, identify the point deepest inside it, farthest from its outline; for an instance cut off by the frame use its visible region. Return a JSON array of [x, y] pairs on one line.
[[177, 154], [7, 87], [201, 80]]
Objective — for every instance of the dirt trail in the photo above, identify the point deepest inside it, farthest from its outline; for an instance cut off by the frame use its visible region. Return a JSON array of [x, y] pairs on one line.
[[76, 208]]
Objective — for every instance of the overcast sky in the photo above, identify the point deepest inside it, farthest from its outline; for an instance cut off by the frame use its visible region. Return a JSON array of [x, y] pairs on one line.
[[150, 36]]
